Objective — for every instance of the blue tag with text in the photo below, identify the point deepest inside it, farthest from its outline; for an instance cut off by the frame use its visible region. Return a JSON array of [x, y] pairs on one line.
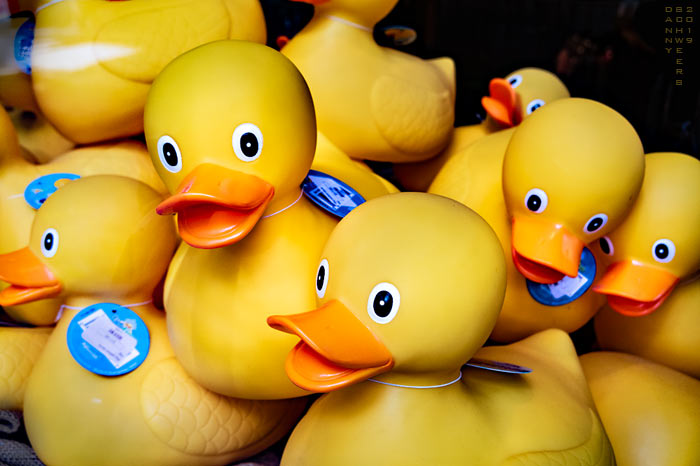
[[24, 38], [567, 289], [108, 339], [330, 193], [41, 188]]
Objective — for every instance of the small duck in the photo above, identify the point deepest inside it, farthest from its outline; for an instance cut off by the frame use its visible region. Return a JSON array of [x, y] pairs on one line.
[[23, 181], [651, 413], [399, 313], [510, 101], [92, 63], [108, 390], [231, 130], [372, 102], [652, 282], [563, 178]]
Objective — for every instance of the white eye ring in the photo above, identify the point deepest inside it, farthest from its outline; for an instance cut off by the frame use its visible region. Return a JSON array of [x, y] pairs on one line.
[[542, 197], [589, 223], [534, 105], [671, 248], [321, 292], [162, 141], [243, 152], [514, 80], [395, 302], [608, 242], [50, 235]]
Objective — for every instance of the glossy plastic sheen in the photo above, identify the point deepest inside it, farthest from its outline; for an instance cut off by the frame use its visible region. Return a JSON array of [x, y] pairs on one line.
[[128, 158], [372, 102], [651, 413], [93, 62], [476, 178], [218, 300], [536, 84], [155, 414]]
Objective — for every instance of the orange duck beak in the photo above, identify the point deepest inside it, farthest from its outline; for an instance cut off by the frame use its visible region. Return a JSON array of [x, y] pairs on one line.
[[29, 278], [635, 289], [545, 253], [217, 206], [501, 102], [336, 348]]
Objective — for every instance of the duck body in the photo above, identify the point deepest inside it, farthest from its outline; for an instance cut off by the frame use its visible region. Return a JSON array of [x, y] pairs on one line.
[[117, 49], [217, 302], [653, 258], [372, 102], [651, 412], [481, 420]]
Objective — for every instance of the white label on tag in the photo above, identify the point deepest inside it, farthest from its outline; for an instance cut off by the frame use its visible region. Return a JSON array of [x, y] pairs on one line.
[[114, 343], [567, 286], [334, 193]]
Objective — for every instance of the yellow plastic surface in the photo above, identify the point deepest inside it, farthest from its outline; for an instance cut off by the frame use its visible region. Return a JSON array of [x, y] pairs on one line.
[[448, 277], [651, 413], [217, 300], [38, 137], [19, 350], [584, 165], [93, 61], [535, 84], [668, 207], [128, 158], [372, 102], [156, 414]]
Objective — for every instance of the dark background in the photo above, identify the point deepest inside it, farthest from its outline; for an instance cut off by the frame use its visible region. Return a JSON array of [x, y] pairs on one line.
[[607, 50]]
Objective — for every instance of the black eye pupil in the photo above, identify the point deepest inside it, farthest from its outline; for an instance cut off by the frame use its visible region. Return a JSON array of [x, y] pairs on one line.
[[661, 251], [249, 145], [512, 81], [48, 242], [604, 246], [535, 107], [383, 303], [594, 224], [534, 202], [320, 278], [169, 154]]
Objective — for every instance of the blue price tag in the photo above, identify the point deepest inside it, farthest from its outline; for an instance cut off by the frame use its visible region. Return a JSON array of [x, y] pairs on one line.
[[24, 38], [330, 193], [41, 188], [567, 289], [108, 339]]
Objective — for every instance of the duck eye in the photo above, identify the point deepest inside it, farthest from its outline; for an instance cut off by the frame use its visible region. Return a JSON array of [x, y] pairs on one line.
[[536, 200], [322, 278], [49, 242], [247, 142], [534, 105], [383, 303], [515, 80], [595, 223], [169, 154], [606, 246], [663, 250]]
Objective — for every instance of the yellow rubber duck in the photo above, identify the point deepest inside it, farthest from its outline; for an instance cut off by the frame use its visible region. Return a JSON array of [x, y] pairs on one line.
[[21, 181], [563, 178], [409, 287], [652, 283], [372, 102], [92, 63], [40, 139], [231, 130], [651, 413], [109, 391], [510, 101]]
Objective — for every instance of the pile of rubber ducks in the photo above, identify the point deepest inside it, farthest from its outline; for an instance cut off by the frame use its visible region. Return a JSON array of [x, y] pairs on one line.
[[192, 246]]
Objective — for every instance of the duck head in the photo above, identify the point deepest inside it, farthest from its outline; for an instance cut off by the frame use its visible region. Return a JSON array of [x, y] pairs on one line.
[[231, 129], [410, 283], [363, 12], [658, 244], [571, 173], [93, 237], [514, 98]]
